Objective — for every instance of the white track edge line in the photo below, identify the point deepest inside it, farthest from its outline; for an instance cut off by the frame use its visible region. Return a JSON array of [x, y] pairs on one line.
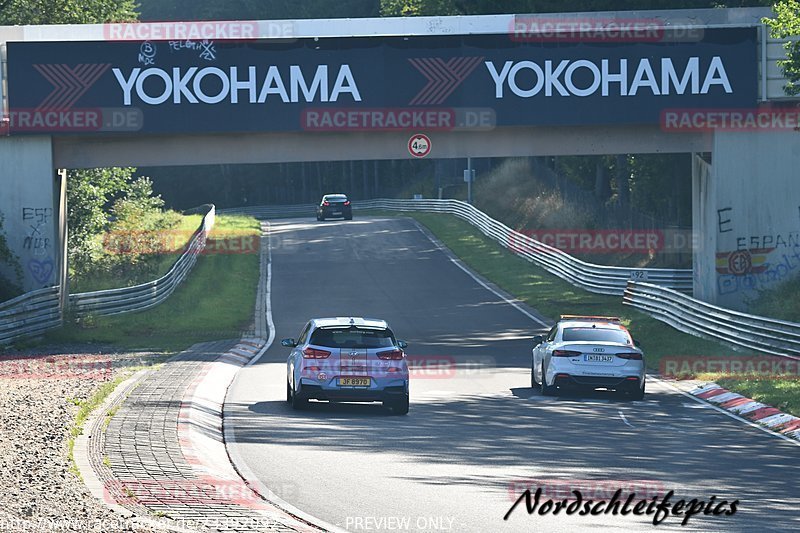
[[229, 435], [459, 264]]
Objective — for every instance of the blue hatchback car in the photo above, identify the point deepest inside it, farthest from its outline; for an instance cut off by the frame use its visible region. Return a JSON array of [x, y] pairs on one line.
[[347, 359]]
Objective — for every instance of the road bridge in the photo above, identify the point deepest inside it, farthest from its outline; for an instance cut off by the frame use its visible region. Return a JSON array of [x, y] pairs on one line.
[[699, 81]]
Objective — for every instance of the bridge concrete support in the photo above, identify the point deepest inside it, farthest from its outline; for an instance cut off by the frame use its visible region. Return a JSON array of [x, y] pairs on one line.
[[29, 201], [746, 216]]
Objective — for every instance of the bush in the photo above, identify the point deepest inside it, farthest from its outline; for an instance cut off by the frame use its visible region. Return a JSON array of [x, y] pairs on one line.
[[781, 301], [9, 288]]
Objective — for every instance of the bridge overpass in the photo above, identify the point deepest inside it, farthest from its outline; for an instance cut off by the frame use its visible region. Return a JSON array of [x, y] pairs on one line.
[[698, 81]]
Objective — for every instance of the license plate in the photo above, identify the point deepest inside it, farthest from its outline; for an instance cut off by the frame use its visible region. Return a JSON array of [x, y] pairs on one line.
[[337, 212], [597, 358], [354, 382]]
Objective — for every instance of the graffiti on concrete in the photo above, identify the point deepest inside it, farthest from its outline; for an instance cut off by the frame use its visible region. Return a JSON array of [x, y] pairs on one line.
[[41, 271], [37, 222], [758, 269]]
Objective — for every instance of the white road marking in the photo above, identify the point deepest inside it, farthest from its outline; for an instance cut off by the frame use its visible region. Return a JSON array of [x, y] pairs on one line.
[[622, 416], [457, 262]]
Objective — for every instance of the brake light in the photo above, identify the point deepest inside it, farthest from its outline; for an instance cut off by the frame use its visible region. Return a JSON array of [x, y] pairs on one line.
[[326, 203], [565, 353], [390, 354], [312, 369], [312, 353], [347, 202], [633, 356]]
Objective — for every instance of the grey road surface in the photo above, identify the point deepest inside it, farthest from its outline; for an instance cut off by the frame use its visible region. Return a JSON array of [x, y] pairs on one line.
[[477, 434]]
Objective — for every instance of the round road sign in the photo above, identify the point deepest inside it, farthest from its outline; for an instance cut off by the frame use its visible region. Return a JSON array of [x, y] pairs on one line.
[[419, 145]]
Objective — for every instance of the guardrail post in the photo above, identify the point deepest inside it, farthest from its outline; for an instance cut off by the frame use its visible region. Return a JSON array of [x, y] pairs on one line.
[[63, 278]]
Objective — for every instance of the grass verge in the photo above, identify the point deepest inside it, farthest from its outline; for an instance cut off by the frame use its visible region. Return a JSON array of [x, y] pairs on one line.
[[214, 302], [85, 409], [552, 296]]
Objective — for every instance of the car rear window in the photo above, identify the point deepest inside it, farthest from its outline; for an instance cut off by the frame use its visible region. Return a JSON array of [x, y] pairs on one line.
[[352, 338], [595, 335], [339, 198]]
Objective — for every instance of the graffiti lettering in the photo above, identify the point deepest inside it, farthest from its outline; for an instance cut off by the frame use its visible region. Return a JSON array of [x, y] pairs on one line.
[[724, 222]]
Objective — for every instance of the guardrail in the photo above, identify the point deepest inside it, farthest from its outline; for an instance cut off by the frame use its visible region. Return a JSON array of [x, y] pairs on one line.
[[29, 314], [768, 335], [145, 295], [592, 277], [38, 311]]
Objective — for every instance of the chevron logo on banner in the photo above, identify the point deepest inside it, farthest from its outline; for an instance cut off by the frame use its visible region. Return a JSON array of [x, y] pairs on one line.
[[443, 77], [69, 83]]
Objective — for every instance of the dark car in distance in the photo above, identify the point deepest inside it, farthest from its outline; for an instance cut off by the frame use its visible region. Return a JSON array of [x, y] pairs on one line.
[[334, 205]]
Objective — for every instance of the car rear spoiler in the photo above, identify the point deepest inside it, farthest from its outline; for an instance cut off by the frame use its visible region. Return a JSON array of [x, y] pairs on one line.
[[591, 318]]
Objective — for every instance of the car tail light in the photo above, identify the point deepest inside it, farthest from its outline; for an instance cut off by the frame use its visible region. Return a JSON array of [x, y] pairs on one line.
[[565, 353], [347, 202], [634, 356], [390, 354], [632, 378], [326, 203], [312, 353]]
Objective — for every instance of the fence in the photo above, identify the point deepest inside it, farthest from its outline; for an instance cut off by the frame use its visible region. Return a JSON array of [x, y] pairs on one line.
[[776, 337], [38, 311], [29, 314], [594, 278]]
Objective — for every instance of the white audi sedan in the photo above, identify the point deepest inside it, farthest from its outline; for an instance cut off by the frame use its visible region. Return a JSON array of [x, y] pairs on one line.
[[589, 352]]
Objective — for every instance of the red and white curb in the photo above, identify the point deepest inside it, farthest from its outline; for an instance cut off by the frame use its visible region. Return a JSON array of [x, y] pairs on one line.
[[756, 412], [201, 437]]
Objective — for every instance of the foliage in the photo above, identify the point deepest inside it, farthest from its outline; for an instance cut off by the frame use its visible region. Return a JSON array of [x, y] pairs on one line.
[[214, 302], [8, 288], [256, 9], [89, 192], [481, 7], [18, 12], [787, 24], [780, 301]]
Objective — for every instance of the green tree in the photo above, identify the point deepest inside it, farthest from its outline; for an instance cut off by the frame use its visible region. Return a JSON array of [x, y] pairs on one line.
[[394, 8], [89, 194], [14, 12], [256, 9], [785, 25]]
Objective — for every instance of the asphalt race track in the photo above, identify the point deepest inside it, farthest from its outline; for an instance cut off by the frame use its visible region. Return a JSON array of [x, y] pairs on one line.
[[477, 434]]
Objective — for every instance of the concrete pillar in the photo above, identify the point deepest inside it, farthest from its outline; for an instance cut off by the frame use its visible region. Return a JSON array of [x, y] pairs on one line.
[[29, 203], [747, 211]]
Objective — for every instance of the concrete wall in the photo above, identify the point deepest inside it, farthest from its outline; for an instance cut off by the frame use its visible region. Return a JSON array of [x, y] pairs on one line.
[[28, 204], [748, 211], [210, 149]]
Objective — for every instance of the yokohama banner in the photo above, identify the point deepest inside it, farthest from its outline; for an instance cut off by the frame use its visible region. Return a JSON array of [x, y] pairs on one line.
[[371, 83]]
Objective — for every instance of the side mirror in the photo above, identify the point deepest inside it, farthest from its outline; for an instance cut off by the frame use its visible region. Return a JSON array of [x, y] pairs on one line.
[[289, 343], [402, 344], [637, 343], [538, 339]]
